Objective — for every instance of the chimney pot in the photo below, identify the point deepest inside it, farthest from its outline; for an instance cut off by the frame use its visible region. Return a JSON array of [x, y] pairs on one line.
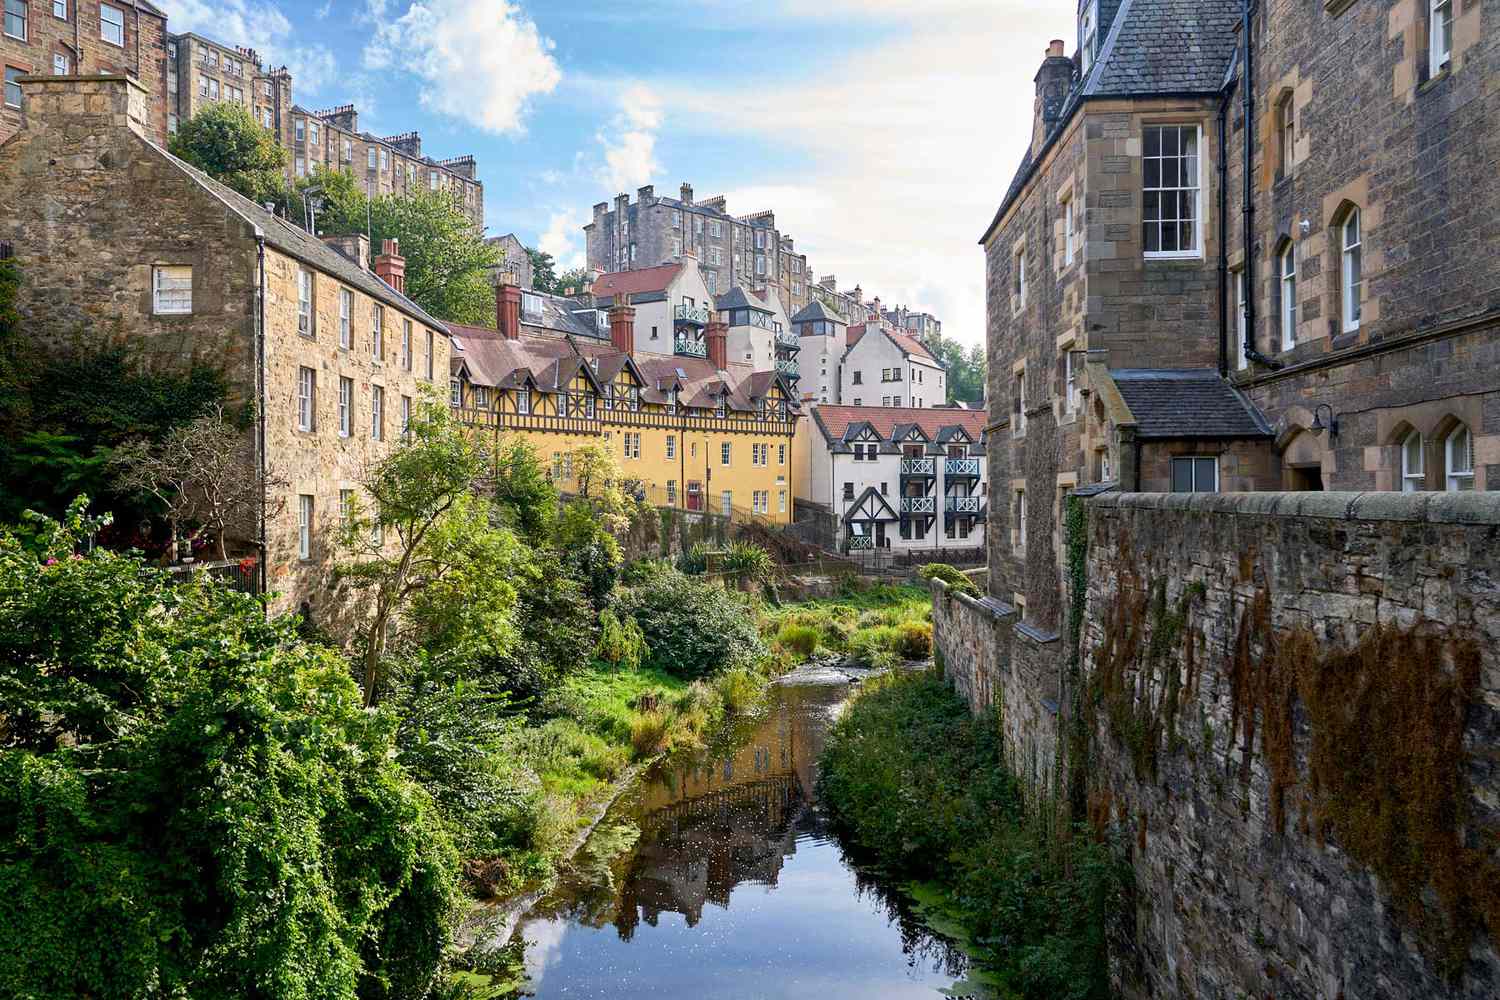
[[1056, 48]]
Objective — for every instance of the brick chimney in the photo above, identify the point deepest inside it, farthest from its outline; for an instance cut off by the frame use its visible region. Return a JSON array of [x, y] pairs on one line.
[[718, 343], [507, 305], [1053, 81], [622, 325], [687, 194], [355, 247], [390, 266]]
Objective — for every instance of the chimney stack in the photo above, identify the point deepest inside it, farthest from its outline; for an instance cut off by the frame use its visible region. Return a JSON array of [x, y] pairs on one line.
[[687, 194], [390, 266], [645, 196], [507, 305], [355, 247], [1053, 81], [622, 325], [718, 343]]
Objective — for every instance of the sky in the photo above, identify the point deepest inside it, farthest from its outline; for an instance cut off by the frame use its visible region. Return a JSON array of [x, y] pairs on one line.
[[882, 132]]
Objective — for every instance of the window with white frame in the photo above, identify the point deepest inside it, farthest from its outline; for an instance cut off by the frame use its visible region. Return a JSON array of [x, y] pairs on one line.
[[455, 392], [671, 492], [16, 17], [305, 302], [724, 453], [13, 87], [1088, 34], [304, 526], [406, 344], [377, 333], [1241, 360], [1020, 533], [172, 291], [1070, 381], [1195, 474], [346, 406], [1440, 30], [1413, 471], [781, 454], [346, 310], [523, 400], [1458, 450], [781, 501], [671, 446], [1286, 266], [307, 399], [1351, 270], [1171, 219], [430, 351], [405, 415], [299, 129], [377, 413], [61, 65], [726, 502], [1068, 231]]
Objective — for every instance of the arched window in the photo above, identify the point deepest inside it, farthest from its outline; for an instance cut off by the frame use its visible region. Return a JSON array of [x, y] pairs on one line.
[[1458, 451], [1350, 271], [1413, 476], [1286, 266]]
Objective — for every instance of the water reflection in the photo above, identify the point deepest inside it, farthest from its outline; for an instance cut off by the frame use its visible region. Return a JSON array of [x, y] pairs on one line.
[[720, 878]]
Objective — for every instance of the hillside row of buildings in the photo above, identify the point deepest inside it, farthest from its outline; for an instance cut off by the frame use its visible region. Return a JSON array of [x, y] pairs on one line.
[[185, 73]]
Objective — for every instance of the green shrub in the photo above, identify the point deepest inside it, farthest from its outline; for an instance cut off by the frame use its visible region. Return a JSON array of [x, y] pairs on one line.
[[694, 561], [912, 640], [952, 576], [621, 643], [693, 628], [739, 689], [874, 646], [746, 562], [800, 640], [649, 733]]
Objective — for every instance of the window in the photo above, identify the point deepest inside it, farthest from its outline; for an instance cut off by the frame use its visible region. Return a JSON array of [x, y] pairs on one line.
[[1195, 475], [717, 229], [781, 454], [15, 19], [726, 502], [1171, 219], [1018, 416], [346, 507], [346, 406], [523, 401], [405, 415], [299, 128], [304, 303], [859, 378], [377, 413], [1440, 31], [1459, 450], [60, 64], [1088, 31], [671, 446], [455, 392], [213, 90], [760, 266], [531, 305], [348, 156], [1286, 131], [713, 281], [385, 159], [1352, 278], [632, 444], [1018, 281], [307, 399], [406, 344], [428, 368], [304, 526], [172, 291], [346, 309], [13, 87], [432, 180], [781, 501], [300, 165], [1413, 476], [1020, 532], [481, 397], [1287, 268], [266, 121], [60, 10], [671, 492], [1241, 359], [377, 333], [1068, 231], [1070, 381], [724, 450], [885, 401]]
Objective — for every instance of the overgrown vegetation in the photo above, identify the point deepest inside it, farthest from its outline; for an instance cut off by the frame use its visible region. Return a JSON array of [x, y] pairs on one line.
[[878, 627], [226, 142], [921, 787], [957, 582]]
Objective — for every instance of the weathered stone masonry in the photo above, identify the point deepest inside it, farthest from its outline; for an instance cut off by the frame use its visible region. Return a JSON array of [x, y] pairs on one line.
[[1210, 613]]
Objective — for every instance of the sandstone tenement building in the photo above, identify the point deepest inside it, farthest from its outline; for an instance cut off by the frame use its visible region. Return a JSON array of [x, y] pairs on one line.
[[85, 37], [133, 242]]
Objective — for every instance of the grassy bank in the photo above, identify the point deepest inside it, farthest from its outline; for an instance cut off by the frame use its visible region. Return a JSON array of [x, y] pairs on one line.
[[920, 787], [877, 626]]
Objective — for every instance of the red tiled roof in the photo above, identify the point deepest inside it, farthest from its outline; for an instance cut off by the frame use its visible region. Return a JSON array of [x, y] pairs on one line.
[[855, 333], [835, 420], [910, 345], [647, 279]]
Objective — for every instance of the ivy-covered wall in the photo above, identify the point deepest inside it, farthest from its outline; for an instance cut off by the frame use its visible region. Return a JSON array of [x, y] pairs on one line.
[[1292, 706]]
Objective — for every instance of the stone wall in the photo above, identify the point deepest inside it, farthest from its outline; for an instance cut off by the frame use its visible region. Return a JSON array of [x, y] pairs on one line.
[[1273, 687]]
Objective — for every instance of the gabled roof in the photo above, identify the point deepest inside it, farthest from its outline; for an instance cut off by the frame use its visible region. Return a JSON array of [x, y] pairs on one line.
[[736, 298], [834, 421], [910, 346], [647, 279], [873, 506], [816, 310], [1188, 403]]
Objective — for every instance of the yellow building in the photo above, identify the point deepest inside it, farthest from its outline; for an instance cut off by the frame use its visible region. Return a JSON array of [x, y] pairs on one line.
[[698, 432]]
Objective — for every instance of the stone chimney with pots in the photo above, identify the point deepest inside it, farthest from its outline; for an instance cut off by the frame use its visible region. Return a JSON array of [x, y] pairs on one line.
[[81, 113], [1053, 81], [355, 247], [718, 343], [622, 325], [507, 305], [687, 194], [390, 266], [645, 196]]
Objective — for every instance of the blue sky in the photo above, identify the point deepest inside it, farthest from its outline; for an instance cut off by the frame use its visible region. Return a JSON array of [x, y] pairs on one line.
[[882, 132]]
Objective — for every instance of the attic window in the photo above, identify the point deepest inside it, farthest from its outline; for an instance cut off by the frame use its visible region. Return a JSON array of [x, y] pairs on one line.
[[531, 305], [1088, 30]]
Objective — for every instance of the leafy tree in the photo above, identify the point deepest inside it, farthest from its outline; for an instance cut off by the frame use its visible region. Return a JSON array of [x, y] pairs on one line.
[[693, 628], [342, 201], [526, 495], [573, 277], [421, 526], [193, 802], [966, 368], [226, 142], [543, 270]]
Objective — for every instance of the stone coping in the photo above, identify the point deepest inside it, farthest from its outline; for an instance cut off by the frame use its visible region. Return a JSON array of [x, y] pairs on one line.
[[1039, 636], [995, 608], [1429, 507]]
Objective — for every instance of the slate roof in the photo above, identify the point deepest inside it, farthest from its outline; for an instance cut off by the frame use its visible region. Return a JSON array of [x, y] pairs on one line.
[[736, 298], [835, 421], [816, 310], [1152, 48], [1188, 403]]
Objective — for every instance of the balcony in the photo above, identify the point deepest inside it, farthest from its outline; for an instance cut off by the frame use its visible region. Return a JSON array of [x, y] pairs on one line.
[[788, 368], [919, 467], [961, 468], [963, 505], [691, 315], [919, 505], [690, 346], [788, 342]]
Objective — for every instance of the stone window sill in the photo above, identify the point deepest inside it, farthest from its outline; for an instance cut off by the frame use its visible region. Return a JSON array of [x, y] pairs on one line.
[[1336, 7], [1435, 79]]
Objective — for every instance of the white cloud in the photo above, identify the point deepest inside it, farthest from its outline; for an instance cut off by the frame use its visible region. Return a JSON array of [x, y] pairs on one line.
[[563, 238], [482, 61], [260, 25], [629, 141]]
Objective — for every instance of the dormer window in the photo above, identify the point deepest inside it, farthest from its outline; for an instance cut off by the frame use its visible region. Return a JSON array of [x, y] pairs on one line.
[[531, 305], [1088, 34]]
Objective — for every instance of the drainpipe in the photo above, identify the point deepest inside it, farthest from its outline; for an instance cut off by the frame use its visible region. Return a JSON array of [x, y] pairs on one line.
[[260, 419], [1248, 103], [1224, 230]]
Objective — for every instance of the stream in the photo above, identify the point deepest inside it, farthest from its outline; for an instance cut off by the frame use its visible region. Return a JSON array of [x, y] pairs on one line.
[[718, 876]]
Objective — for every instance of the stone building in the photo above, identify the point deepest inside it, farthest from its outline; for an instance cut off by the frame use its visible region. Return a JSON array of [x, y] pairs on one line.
[[886, 367], [201, 72], [130, 240], [517, 261], [85, 37], [701, 433]]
